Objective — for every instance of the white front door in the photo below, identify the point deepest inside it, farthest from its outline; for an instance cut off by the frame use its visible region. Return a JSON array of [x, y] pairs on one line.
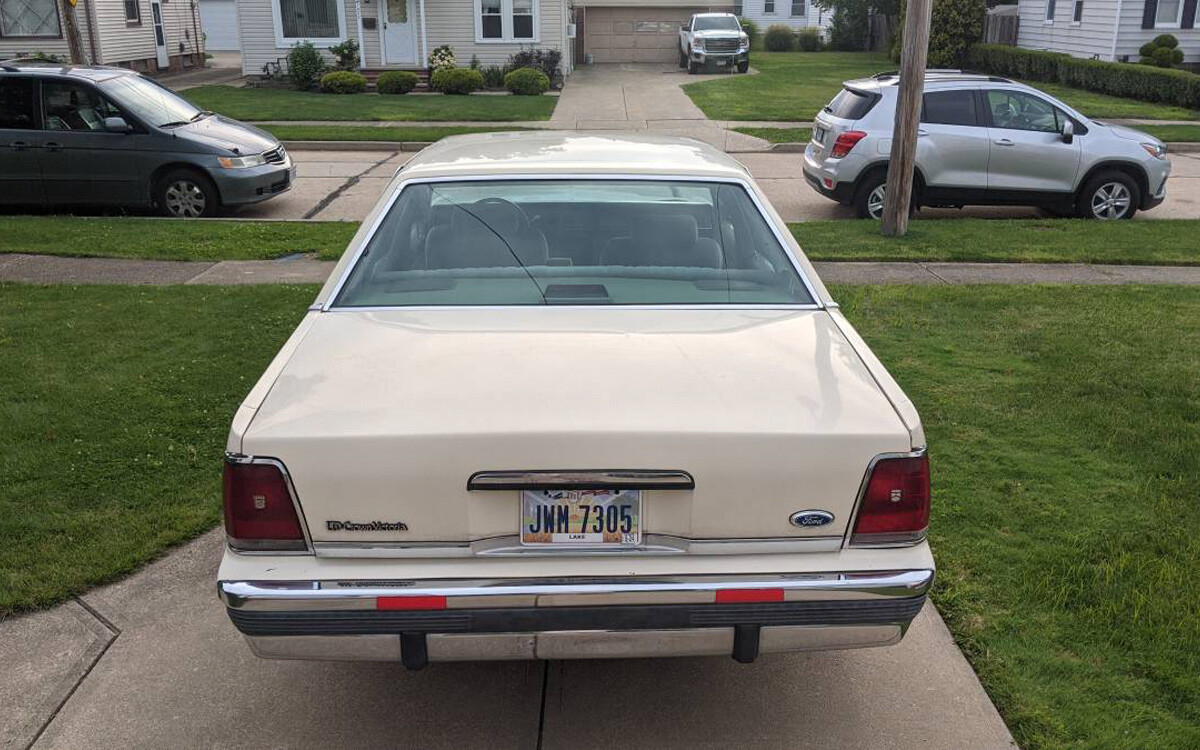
[[399, 32], [160, 34]]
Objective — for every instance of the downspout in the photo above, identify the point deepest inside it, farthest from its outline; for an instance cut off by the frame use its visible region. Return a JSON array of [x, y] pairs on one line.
[[1116, 32], [424, 37], [91, 24], [362, 48]]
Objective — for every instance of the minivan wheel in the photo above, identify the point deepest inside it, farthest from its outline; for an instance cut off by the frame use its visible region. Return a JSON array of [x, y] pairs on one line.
[[184, 194], [1108, 196]]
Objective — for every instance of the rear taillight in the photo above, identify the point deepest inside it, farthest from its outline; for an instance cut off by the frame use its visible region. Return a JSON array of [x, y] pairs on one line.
[[260, 514], [895, 505], [845, 142]]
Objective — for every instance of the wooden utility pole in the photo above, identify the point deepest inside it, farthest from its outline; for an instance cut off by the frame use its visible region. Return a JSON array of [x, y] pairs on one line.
[[913, 53], [74, 40]]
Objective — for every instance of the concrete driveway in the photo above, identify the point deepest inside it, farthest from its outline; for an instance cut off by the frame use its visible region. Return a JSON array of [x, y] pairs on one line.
[[153, 662], [344, 185]]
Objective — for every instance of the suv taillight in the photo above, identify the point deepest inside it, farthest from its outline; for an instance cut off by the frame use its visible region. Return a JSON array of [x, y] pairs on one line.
[[260, 514], [845, 142], [895, 504]]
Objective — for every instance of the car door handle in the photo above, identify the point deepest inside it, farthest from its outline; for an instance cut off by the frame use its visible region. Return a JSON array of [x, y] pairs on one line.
[[1003, 142], [52, 146], [19, 145], [922, 133]]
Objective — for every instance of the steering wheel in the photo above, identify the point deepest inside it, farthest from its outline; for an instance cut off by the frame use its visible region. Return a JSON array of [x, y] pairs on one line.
[[1007, 113], [522, 217]]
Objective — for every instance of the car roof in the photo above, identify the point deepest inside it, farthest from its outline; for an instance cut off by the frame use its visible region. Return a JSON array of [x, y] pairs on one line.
[[550, 152], [711, 14], [45, 68]]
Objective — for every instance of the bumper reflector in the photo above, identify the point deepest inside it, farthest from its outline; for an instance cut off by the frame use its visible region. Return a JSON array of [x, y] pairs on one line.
[[410, 602], [744, 596]]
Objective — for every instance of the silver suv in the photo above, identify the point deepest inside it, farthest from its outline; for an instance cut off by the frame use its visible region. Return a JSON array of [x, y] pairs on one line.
[[984, 140]]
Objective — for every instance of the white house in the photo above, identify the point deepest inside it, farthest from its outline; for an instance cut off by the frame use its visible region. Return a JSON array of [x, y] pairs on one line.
[[1107, 29], [797, 14], [146, 35]]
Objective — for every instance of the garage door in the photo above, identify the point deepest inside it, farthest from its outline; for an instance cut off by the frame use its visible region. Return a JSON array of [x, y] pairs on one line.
[[218, 18], [634, 34]]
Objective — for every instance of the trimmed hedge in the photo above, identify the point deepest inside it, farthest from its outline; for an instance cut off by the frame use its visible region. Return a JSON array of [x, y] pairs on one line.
[[456, 80], [396, 82], [527, 82], [779, 38], [1147, 83], [343, 82]]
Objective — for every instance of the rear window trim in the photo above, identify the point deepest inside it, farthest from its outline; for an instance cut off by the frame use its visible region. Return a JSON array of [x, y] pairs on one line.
[[816, 304]]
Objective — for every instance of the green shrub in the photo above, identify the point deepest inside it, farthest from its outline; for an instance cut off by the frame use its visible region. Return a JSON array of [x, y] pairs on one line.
[[752, 31], [1161, 51], [346, 54], [545, 60], [442, 58], [456, 80], [954, 25], [493, 77], [527, 82], [779, 38], [343, 82], [1144, 82], [305, 65], [396, 82], [809, 40]]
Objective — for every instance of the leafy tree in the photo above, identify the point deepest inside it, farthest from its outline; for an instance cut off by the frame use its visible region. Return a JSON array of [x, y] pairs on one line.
[[954, 26], [850, 26]]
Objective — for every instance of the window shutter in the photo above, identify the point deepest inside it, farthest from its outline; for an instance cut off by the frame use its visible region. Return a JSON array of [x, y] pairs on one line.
[[1189, 14], [1148, 14]]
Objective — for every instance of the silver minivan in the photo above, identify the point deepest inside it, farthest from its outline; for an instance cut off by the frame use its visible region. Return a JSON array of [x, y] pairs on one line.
[[93, 135], [984, 140]]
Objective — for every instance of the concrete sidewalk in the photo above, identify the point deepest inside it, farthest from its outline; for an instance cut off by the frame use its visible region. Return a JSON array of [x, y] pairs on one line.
[[303, 269], [152, 661]]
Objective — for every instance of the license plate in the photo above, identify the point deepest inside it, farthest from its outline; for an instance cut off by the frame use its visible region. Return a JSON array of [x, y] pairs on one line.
[[721, 62], [819, 135], [581, 518]]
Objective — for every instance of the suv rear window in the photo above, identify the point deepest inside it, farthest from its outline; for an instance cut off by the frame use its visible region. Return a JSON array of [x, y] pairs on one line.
[[850, 104]]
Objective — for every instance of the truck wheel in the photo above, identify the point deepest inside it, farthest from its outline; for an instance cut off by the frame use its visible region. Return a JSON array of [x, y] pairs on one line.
[[186, 194], [682, 59], [744, 65], [692, 67], [1109, 195]]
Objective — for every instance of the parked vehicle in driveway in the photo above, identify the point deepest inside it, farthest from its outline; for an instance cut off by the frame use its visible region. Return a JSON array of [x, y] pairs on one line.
[[715, 38], [984, 140], [93, 135], [573, 396]]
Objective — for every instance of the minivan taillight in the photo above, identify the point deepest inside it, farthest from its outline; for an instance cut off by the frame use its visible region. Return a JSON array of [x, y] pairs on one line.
[[845, 142], [895, 505], [260, 514]]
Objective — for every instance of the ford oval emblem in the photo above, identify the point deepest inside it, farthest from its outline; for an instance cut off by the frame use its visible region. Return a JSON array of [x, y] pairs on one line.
[[808, 518]]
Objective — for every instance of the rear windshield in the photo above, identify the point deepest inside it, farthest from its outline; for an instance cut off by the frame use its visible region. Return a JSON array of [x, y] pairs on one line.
[[573, 242], [850, 104], [714, 23]]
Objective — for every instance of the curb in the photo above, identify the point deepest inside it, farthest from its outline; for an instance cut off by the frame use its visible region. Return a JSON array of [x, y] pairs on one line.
[[1183, 148], [356, 145]]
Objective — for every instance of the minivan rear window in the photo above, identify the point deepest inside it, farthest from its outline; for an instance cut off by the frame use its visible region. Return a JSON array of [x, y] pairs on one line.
[[850, 104]]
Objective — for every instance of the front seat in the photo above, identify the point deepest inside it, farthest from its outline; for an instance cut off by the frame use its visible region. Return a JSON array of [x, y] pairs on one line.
[[671, 240], [466, 242]]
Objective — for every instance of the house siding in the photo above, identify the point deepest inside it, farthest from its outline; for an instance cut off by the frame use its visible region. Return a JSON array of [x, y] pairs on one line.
[[453, 23], [256, 32], [1093, 37], [13, 47], [813, 16]]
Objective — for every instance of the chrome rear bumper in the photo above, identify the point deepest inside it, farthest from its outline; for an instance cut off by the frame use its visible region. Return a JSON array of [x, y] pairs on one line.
[[419, 621]]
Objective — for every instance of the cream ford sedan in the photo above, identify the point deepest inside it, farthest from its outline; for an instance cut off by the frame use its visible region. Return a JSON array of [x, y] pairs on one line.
[[573, 396]]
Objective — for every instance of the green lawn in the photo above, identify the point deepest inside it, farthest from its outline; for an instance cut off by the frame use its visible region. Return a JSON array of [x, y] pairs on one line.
[[1158, 242], [1063, 424], [117, 402], [794, 86], [779, 135], [169, 239], [284, 104], [1173, 133], [370, 133]]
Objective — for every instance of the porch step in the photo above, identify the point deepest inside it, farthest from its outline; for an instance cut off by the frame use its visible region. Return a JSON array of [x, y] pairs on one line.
[[372, 74]]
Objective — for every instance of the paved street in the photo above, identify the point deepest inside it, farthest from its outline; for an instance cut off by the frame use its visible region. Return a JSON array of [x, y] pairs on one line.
[[152, 661], [344, 185]]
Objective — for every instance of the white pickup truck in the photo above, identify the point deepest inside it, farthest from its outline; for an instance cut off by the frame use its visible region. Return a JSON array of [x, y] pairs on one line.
[[713, 37]]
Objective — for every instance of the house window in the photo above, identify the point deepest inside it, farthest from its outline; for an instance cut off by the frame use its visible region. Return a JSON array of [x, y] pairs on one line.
[[1169, 14], [506, 20], [29, 18], [1049, 11], [737, 7], [133, 13], [769, 6], [308, 19], [797, 8], [1077, 16]]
